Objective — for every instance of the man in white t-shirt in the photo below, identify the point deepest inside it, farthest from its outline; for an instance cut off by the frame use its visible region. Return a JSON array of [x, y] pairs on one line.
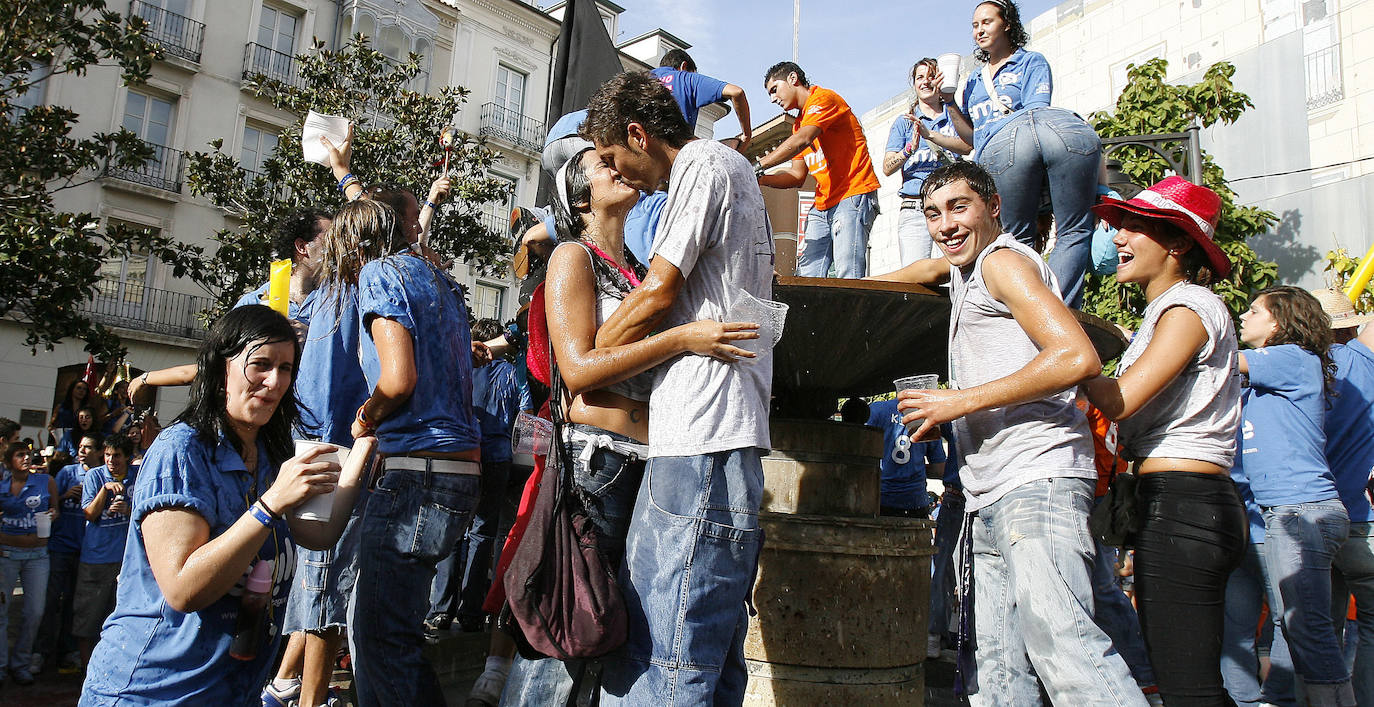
[[708, 419]]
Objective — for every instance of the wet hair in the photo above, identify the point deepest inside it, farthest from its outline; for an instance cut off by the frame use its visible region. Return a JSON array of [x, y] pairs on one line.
[[96, 440], [13, 449], [397, 197], [780, 71], [121, 443], [300, 224], [578, 186], [8, 428], [243, 327], [1300, 320], [927, 62], [634, 97], [71, 388], [363, 230], [486, 330], [978, 179], [1011, 17], [854, 410], [673, 58]]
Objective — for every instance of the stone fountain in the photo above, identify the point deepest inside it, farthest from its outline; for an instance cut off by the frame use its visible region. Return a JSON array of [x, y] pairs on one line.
[[842, 594]]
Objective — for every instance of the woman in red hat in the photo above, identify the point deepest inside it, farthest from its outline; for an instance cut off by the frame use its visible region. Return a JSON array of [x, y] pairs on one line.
[[1177, 403]]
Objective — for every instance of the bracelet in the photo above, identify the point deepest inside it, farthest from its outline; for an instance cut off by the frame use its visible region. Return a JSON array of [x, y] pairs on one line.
[[144, 378], [431, 205], [362, 419], [344, 182], [260, 514]]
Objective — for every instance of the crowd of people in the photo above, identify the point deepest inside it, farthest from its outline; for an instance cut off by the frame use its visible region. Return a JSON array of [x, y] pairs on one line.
[[184, 570]]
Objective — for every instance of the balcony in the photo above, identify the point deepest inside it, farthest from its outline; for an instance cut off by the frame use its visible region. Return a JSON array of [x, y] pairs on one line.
[[163, 171], [130, 305], [178, 36], [495, 223], [272, 64], [1324, 84], [512, 127]]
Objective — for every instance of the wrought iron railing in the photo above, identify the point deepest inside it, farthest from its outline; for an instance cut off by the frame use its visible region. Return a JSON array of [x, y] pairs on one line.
[[496, 223], [163, 170], [512, 126], [181, 36], [131, 305], [268, 62], [1324, 84]]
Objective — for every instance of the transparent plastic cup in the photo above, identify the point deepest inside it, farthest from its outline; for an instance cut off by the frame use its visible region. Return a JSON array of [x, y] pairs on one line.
[[320, 508], [949, 66], [532, 435], [769, 315], [43, 523], [925, 381]]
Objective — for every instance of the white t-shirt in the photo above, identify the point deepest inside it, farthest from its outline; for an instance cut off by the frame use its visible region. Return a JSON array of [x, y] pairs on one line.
[[715, 230]]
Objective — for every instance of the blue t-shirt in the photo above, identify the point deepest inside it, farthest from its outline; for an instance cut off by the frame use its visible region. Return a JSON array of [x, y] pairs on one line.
[[1281, 437], [330, 384], [1350, 427], [19, 509], [496, 402], [69, 530], [691, 90], [926, 158], [105, 536], [1252, 509], [71, 439], [150, 653], [1023, 82], [904, 462], [567, 126], [437, 417], [298, 312], [642, 223], [953, 459]]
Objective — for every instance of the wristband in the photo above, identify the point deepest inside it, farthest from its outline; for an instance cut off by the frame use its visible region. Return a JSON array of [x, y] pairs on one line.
[[431, 205], [759, 170], [344, 182], [362, 419], [260, 514]]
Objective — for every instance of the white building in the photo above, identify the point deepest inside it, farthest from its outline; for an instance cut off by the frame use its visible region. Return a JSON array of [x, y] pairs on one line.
[[502, 50]]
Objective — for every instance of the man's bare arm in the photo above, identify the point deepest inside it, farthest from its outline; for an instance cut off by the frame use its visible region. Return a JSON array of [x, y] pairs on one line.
[[793, 177], [928, 271], [791, 147], [741, 104], [642, 310]]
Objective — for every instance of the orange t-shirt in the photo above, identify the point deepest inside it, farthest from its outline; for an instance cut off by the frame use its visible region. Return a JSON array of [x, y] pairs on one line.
[[838, 159], [1105, 456]]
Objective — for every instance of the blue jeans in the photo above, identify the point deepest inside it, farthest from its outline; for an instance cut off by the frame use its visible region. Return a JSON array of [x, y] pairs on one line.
[[411, 520], [1050, 146], [690, 558], [477, 555], [1300, 543], [1115, 614], [1355, 564], [839, 233], [611, 483], [1245, 594], [29, 567], [947, 527], [324, 581], [55, 632], [913, 236], [1033, 602]]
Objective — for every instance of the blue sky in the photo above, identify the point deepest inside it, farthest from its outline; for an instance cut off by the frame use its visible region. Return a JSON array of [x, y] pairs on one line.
[[861, 49]]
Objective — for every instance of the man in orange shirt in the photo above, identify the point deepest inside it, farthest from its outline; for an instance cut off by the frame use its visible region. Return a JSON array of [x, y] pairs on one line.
[[828, 142]]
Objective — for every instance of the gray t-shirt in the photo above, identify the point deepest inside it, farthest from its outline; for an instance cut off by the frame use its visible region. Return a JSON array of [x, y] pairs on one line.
[[1007, 447], [1196, 415], [715, 230]]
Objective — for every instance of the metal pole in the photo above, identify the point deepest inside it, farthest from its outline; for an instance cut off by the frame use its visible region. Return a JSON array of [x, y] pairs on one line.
[[1194, 154], [796, 29]]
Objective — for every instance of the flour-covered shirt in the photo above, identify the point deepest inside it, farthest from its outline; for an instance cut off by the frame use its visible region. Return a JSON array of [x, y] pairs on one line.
[[715, 231]]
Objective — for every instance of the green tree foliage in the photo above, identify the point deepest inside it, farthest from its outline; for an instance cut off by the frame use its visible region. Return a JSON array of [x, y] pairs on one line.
[[1340, 265], [51, 259], [1149, 105], [396, 142]]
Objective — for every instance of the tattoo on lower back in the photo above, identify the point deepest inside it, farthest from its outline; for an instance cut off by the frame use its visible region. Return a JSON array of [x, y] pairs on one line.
[[634, 416]]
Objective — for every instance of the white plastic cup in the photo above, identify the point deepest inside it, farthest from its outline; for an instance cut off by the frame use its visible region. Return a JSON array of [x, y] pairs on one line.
[[320, 508], [43, 523], [925, 381], [949, 66], [769, 315], [531, 435]]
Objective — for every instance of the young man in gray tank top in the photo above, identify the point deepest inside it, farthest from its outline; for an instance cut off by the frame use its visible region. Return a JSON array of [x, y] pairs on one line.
[[1016, 354]]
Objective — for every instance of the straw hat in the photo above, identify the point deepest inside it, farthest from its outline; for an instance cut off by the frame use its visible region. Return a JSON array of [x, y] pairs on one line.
[[1191, 207], [1338, 307]]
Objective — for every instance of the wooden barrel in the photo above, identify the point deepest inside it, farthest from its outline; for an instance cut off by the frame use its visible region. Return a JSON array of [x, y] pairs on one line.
[[819, 467], [842, 606]]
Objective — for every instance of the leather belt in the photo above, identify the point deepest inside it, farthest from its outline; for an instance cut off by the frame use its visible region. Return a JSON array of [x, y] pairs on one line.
[[434, 466]]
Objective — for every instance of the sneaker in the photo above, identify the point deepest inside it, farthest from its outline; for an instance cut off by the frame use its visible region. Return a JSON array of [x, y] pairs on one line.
[[1154, 700], [36, 663], [70, 664], [472, 624], [274, 697], [22, 676], [932, 646], [486, 692]]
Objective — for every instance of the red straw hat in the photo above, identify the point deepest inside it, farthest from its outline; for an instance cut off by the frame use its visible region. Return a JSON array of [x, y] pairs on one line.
[[1191, 207]]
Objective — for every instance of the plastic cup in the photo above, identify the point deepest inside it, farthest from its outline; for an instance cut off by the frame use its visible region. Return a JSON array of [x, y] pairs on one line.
[[531, 435], [43, 523], [320, 508], [925, 381], [769, 315], [949, 66]]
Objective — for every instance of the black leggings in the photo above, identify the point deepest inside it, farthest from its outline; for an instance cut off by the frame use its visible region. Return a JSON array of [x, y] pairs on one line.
[[1193, 532]]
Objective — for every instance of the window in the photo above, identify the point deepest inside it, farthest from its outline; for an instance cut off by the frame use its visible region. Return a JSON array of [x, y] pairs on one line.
[[123, 281], [510, 89], [277, 30], [486, 301], [148, 117], [36, 79], [393, 42], [496, 214], [258, 147]]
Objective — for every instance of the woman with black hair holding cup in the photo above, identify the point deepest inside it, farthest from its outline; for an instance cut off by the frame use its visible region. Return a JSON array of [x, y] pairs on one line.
[[210, 532], [1027, 145]]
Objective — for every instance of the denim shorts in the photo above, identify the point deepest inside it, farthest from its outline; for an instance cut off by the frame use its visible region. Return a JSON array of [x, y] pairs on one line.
[[324, 581]]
